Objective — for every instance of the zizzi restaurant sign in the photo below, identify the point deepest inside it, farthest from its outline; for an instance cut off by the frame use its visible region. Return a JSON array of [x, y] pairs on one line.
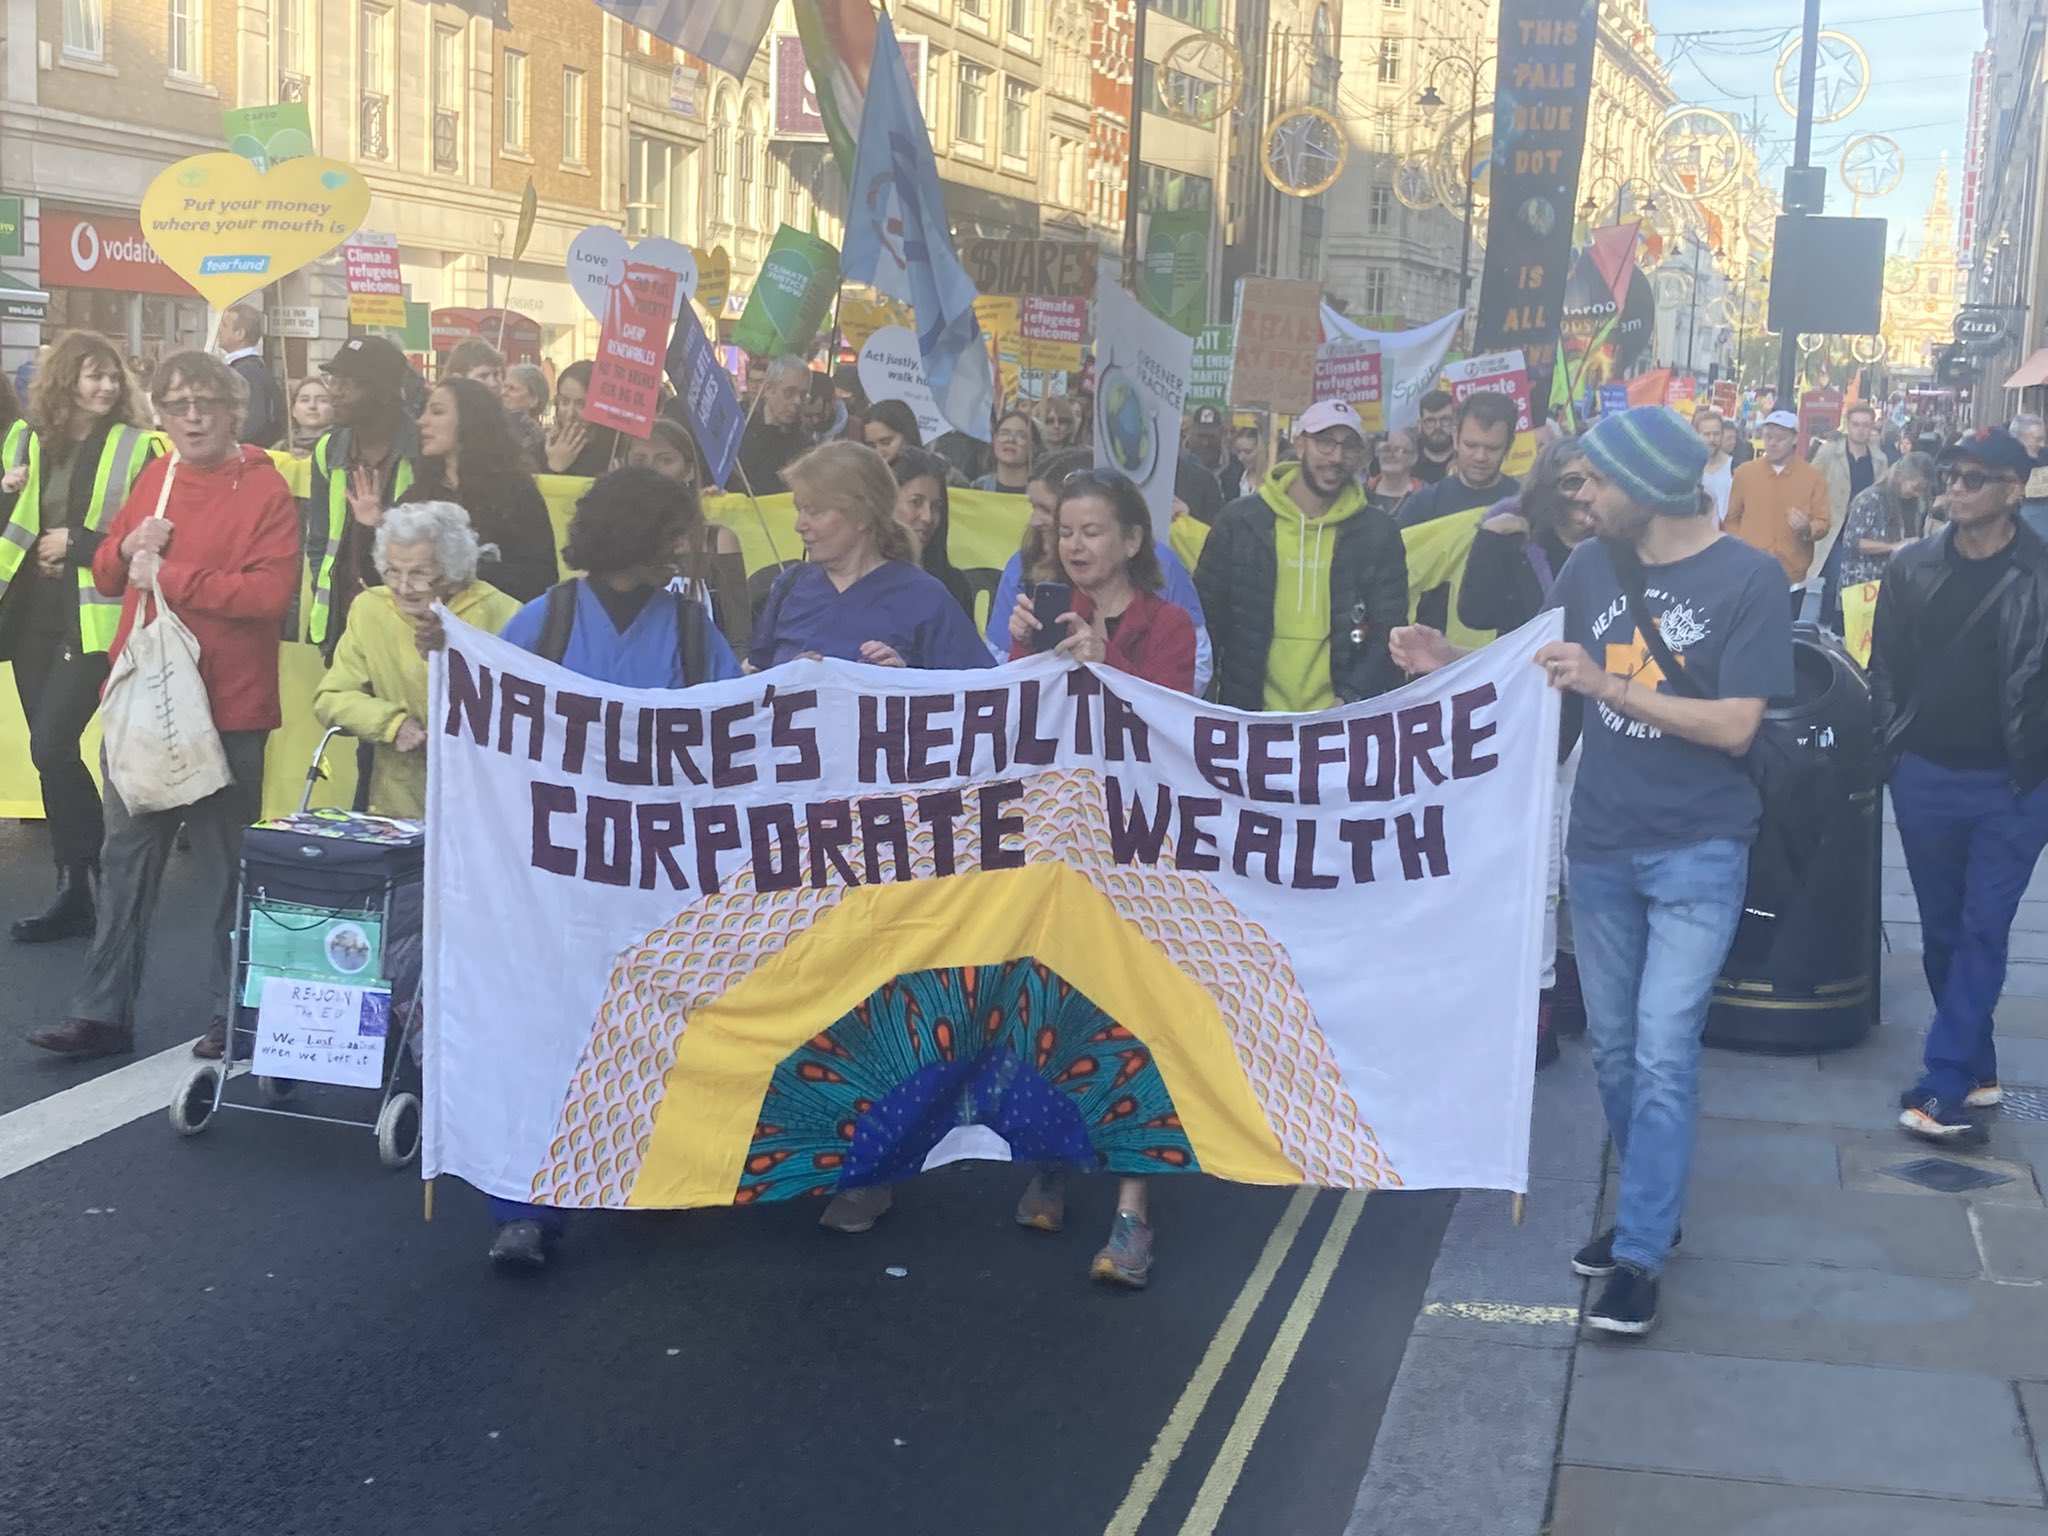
[[103, 250]]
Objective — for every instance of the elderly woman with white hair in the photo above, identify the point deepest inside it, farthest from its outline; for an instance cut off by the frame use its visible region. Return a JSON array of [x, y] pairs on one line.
[[376, 690]]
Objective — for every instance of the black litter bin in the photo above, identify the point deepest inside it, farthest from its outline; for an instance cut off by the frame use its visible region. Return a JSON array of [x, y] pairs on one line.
[[1802, 974]]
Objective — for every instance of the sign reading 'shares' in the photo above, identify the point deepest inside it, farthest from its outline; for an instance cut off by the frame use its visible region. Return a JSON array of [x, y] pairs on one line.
[[829, 925], [229, 229]]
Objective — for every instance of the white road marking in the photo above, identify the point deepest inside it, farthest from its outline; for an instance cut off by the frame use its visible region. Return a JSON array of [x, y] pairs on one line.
[[40, 1131]]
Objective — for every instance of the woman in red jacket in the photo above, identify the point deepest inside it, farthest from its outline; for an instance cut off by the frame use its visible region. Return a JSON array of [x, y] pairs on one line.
[[214, 533], [1117, 618], [1104, 539]]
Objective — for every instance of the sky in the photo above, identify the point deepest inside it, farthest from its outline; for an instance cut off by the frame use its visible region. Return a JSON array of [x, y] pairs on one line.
[[1723, 54]]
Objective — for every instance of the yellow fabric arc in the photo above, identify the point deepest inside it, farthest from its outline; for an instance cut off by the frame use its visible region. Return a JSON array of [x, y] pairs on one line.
[[727, 1055]]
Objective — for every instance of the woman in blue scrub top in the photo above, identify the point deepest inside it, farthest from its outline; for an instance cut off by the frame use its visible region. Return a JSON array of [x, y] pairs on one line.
[[859, 595]]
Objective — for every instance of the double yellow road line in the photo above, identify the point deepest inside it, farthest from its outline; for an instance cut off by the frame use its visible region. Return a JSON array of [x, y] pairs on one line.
[[1252, 1413]]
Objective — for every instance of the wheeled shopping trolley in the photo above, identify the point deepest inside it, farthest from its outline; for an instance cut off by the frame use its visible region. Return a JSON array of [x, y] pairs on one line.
[[325, 976]]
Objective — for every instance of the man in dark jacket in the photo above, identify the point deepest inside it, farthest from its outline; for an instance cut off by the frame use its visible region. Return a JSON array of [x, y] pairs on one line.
[[241, 348], [1959, 674], [1302, 582], [775, 437], [1485, 431]]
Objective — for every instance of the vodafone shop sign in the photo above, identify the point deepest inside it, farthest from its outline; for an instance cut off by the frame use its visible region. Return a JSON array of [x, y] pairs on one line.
[[103, 250]]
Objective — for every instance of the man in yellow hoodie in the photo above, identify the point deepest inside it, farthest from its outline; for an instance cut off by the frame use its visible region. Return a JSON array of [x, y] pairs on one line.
[[1302, 582]]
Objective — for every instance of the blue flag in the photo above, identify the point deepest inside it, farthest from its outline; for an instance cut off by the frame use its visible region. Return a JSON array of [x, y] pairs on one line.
[[705, 391], [897, 240], [726, 34]]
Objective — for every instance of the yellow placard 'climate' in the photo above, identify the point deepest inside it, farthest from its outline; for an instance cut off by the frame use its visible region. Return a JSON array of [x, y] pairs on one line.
[[229, 229]]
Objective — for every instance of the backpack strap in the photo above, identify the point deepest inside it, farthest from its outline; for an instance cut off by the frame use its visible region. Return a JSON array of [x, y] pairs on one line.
[[692, 653], [557, 621]]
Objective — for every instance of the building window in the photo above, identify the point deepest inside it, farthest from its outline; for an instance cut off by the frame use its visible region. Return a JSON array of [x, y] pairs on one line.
[[512, 98], [374, 122], [572, 117], [1161, 190], [654, 188], [1187, 96], [1068, 158], [294, 48], [1016, 120], [1390, 61], [1379, 208], [1017, 17], [1394, 5], [970, 106], [450, 92], [187, 53], [84, 32], [1383, 134], [978, 9], [752, 142], [721, 186], [1379, 287], [1205, 14]]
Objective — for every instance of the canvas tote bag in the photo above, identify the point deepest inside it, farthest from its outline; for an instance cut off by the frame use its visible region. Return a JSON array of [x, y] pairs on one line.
[[162, 751]]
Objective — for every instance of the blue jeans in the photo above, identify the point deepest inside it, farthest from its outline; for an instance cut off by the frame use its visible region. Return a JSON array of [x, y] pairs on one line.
[[505, 1212], [1971, 842], [1653, 931]]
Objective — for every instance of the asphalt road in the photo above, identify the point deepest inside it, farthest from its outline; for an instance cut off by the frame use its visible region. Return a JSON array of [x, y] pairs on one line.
[[254, 1330]]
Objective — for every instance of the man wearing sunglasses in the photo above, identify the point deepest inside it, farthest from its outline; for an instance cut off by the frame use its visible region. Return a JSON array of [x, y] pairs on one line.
[[1302, 581], [1959, 674]]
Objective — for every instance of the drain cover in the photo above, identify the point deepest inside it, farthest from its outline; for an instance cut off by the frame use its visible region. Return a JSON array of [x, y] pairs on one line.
[[1951, 1178], [2029, 1106]]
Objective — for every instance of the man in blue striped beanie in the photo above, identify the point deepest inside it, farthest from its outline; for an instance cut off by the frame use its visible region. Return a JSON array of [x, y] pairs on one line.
[[1675, 637]]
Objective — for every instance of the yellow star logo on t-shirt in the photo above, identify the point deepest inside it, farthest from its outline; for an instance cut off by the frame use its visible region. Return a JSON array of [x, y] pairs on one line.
[[1634, 662]]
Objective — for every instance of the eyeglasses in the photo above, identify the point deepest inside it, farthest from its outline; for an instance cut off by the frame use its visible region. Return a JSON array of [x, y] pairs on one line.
[[193, 405], [410, 581], [1974, 480]]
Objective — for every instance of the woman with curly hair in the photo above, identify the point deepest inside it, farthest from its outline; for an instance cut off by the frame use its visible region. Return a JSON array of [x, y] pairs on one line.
[[468, 456], [60, 488]]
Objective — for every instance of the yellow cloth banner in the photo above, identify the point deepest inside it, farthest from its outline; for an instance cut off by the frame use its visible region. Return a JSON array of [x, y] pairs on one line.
[[987, 527]]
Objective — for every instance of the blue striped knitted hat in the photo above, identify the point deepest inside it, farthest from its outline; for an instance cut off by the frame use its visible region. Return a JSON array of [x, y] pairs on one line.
[[1653, 454]]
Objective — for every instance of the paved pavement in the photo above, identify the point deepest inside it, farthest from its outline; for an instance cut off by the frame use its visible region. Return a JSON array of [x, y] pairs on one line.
[[254, 1330], [1843, 1349]]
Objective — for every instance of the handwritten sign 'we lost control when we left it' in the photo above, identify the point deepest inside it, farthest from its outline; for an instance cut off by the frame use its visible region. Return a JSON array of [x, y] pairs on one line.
[[322, 1032]]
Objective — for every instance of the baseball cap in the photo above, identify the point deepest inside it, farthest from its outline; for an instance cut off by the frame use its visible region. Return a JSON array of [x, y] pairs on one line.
[[368, 360], [1207, 416], [1994, 448], [1325, 414], [1783, 419]]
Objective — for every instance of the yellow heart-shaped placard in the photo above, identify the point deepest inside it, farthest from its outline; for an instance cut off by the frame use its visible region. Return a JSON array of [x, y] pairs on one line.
[[229, 229]]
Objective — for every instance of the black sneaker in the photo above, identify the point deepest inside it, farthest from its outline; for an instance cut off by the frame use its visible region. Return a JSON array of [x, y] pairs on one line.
[[1933, 1118], [1628, 1304], [1596, 1260], [520, 1245]]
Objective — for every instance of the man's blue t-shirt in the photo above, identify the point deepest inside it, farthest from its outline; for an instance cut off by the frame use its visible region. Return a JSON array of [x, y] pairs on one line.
[[1723, 615]]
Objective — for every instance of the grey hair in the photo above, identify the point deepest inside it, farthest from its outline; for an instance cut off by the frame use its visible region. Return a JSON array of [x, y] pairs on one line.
[[441, 524], [199, 370], [532, 380], [786, 365], [1409, 436], [2023, 422]]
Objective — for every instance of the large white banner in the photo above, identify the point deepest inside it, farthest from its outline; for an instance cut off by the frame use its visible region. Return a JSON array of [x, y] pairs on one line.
[[832, 924], [1411, 361], [1142, 366]]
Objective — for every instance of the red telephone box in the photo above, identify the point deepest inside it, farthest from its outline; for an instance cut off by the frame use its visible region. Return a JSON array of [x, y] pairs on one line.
[[1820, 412]]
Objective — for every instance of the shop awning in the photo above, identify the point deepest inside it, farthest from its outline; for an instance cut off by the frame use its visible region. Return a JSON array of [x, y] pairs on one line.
[[2032, 372], [19, 301]]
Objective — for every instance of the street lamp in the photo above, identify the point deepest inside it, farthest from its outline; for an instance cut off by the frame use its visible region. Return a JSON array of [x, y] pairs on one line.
[[1429, 101], [1693, 309]]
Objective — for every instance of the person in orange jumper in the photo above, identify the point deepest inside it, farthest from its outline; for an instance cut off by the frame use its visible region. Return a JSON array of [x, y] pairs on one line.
[[1779, 503]]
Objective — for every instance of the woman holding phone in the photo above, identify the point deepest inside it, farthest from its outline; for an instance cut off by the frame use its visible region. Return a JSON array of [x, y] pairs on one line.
[[1110, 612]]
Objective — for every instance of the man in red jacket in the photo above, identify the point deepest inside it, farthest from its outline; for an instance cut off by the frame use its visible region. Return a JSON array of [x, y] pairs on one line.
[[221, 549]]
